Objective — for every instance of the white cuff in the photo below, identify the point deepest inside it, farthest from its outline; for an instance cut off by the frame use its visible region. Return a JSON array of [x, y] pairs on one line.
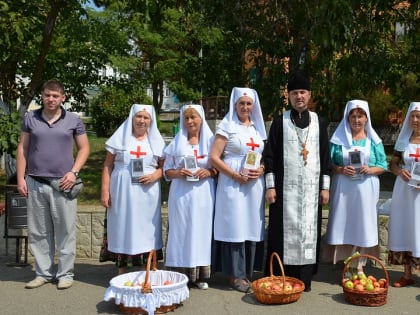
[[269, 181], [325, 182]]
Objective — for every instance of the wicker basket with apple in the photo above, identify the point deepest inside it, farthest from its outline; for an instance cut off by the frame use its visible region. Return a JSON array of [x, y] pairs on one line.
[[277, 289], [363, 290]]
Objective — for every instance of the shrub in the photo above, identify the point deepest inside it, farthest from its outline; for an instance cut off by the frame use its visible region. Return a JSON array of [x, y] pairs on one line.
[[112, 107]]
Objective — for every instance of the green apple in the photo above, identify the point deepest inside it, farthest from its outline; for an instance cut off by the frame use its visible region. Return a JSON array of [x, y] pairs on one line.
[[349, 284], [362, 275], [370, 287]]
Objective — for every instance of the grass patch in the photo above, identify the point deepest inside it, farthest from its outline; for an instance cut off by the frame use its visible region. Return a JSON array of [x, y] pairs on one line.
[[92, 171]]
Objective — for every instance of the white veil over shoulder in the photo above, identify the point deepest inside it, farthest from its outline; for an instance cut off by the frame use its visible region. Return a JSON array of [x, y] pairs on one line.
[[121, 136], [406, 130], [342, 135]]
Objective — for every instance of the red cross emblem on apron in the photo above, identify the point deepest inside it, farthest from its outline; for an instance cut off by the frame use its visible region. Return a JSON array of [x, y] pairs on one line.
[[138, 153], [252, 144]]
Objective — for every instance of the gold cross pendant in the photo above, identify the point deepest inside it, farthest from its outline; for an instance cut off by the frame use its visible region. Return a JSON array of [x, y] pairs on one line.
[[304, 153]]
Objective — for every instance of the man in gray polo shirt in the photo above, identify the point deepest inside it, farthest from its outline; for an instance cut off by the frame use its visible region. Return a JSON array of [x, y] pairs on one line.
[[45, 152]]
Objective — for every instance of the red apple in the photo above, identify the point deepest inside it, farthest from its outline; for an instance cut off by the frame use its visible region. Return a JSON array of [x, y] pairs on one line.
[[372, 278], [382, 282], [297, 286], [276, 287], [359, 287]]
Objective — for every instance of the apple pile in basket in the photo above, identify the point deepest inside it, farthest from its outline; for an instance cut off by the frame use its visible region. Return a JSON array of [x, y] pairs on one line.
[[359, 281], [288, 286]]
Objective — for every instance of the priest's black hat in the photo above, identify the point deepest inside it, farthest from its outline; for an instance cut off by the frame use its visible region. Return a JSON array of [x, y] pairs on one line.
[[298, 81]]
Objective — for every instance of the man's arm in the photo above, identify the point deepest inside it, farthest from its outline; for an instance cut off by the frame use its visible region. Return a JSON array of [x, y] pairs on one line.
[[21, 162], [83, 149]]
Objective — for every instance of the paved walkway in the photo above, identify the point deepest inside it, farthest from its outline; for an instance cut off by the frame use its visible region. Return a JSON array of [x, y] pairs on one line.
[[86, 295]]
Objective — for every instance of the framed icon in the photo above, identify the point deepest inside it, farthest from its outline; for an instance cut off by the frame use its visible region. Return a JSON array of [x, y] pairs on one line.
[[190, 163], [137, 170]]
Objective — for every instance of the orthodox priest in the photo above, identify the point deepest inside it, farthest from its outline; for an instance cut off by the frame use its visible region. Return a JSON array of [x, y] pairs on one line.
[[297, 175]]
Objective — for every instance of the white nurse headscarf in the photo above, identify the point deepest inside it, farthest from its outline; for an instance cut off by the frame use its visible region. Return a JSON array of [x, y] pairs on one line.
[[231, 120], [180, 146], [342, 135], [121, 137], [406, 130]]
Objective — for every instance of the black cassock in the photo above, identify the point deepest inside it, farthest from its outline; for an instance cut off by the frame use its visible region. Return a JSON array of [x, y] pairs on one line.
[[274, 163]]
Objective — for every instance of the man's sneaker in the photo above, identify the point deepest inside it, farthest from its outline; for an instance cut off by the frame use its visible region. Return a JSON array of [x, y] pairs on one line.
[[36, 283], [64, 284]]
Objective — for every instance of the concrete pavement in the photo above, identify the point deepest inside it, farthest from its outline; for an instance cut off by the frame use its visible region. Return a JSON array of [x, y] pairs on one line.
[[92, 277]]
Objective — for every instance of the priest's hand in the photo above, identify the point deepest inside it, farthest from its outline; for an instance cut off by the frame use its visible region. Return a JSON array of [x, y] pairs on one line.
[[270, 196], [324, 197]]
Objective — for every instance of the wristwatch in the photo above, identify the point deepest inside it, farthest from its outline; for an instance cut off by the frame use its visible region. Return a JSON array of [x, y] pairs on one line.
[[76, 173]]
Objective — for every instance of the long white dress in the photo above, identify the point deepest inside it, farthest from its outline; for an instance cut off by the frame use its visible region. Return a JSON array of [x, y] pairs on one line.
[[190, 215], [353, 218], [134, 219], [404, 220], [239, 210]]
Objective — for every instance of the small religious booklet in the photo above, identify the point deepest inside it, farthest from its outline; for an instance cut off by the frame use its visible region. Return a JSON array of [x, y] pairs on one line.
[[356, 160], [190, 163], [137, 170], [252, 162], [415, 175]]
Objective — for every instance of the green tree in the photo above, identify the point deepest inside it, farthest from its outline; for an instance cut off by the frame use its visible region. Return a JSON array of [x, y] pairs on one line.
[[167, 38]]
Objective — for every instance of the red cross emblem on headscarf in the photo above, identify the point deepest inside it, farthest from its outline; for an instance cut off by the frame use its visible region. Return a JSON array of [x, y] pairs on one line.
[[252, 144], [138, 153], [416, 156]]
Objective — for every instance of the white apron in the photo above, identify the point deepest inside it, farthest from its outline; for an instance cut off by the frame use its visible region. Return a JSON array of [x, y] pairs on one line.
[[239, 210], [353, 218], [404, 220], [190, 215], [134, 219]]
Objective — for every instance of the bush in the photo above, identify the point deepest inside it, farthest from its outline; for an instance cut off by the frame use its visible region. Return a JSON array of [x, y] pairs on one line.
[[9, 133], [112, 107]]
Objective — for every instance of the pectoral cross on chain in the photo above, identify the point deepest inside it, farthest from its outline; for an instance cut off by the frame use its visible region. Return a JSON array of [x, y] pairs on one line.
[[304, 153]]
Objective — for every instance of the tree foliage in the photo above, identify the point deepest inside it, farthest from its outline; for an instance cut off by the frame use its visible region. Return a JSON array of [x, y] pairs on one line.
[[204, 48]]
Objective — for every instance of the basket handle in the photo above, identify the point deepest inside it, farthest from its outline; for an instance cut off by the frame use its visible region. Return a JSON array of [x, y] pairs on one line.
[[346, 266], [147, 287], [274, 254]]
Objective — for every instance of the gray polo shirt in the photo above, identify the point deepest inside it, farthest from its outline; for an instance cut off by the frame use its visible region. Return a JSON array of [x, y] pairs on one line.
[[50, 152]]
